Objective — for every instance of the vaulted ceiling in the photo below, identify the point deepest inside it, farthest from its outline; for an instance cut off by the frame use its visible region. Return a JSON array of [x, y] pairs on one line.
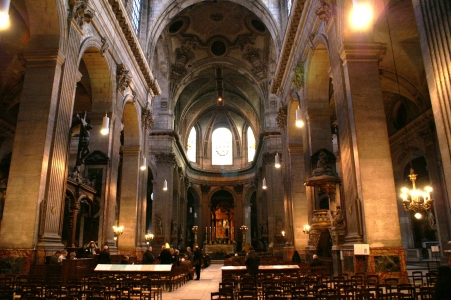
[[216, 46]]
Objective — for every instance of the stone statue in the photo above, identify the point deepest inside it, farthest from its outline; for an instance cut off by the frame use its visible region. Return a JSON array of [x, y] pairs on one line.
[[173, 227], [338, 217], [83, 140], [158, 225], [279, 225]]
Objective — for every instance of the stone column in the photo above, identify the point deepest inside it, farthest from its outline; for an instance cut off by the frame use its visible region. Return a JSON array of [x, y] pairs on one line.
[[372, 196], [298, 197], [318, 128], [128, 206], [38, 166], [433, 27]]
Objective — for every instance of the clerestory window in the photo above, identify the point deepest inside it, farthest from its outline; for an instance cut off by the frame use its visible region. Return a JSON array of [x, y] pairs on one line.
[[136, 12], [250, 144], [222, 150], [191, 145]]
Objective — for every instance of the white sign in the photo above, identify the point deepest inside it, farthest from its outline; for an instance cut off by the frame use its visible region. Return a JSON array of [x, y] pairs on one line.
[[435, 249], [361, 249]]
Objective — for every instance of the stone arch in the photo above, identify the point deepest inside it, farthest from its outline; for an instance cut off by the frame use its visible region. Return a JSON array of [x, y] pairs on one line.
[[54, 15], [101, 74], [130, 121]]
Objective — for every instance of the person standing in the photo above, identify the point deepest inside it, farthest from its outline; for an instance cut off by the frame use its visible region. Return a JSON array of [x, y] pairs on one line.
[[148, 258], [296, 258], [315, 262], [104, 256], [189, 253], [252, 262], [165, 256], [197, 261]]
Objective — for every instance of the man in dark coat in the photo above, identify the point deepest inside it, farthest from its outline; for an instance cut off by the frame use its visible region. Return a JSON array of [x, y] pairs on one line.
[[148, 258], [197, 261], [165, 256], [104, 256], [252, 263]]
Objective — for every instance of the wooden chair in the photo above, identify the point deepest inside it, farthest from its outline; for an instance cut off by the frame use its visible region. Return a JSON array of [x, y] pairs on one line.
[[417, 278], [372, 280], [424, 295], [220, 295], [392, 296], [365, 296], [246, 295], [391, 281], [409, 291]]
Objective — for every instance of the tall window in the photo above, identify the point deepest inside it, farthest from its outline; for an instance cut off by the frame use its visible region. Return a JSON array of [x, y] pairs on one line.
[[191, 145], [289, 4], [136, 12], [221, 142], [250, 144]]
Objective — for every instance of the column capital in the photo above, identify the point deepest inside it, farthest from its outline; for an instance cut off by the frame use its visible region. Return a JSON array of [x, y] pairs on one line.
[[359, 51], [43, 57], [130, 149]]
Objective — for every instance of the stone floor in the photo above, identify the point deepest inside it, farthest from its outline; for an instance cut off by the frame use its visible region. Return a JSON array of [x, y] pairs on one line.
[[198, 289]]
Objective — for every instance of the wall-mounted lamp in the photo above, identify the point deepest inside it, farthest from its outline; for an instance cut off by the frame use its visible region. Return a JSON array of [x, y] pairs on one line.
[[144, 164], [277, 161], [299, 121], [306, 229], [283, 233], [4, 14], [165, 185], [264, 184], [105, 125], [148, 237], [118, 230]]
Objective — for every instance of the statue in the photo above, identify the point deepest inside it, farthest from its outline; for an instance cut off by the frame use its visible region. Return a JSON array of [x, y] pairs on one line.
[[83, 140], [265, 227], [158, 225], [278, 225], [338, 217], [173, 227]]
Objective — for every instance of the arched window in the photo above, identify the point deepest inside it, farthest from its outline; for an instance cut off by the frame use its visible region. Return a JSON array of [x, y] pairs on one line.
[[250, 144], [221, 142], [289, 4], [191, 145], [136, 12]]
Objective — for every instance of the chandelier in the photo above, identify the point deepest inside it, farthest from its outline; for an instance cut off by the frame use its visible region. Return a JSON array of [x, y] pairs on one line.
[[416, 200]]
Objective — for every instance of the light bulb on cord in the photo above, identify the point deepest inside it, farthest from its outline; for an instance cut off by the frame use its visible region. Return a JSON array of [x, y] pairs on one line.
[[299, 122], [4, 14], [144, 164], [264, 184], [165, 185], [277, 161], [105, 125]]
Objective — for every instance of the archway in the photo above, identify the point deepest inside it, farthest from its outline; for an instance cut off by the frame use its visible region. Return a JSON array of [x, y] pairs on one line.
[[222, 220]]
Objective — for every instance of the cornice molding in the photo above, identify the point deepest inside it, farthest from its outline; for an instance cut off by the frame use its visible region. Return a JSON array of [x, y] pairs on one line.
[[133, 42]]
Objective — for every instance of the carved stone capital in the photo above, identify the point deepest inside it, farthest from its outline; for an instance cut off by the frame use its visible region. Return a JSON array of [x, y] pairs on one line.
[[325, 10], [80, 12], [147, 118], [166, 158], [282, 117], [105, 46], [123, 78]]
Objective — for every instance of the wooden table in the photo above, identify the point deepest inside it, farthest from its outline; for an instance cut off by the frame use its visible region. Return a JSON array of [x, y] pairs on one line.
[[133, 269], [229, 271]]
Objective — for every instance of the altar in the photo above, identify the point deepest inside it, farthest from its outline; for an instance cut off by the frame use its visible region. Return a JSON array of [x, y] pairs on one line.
[[219, 249]]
